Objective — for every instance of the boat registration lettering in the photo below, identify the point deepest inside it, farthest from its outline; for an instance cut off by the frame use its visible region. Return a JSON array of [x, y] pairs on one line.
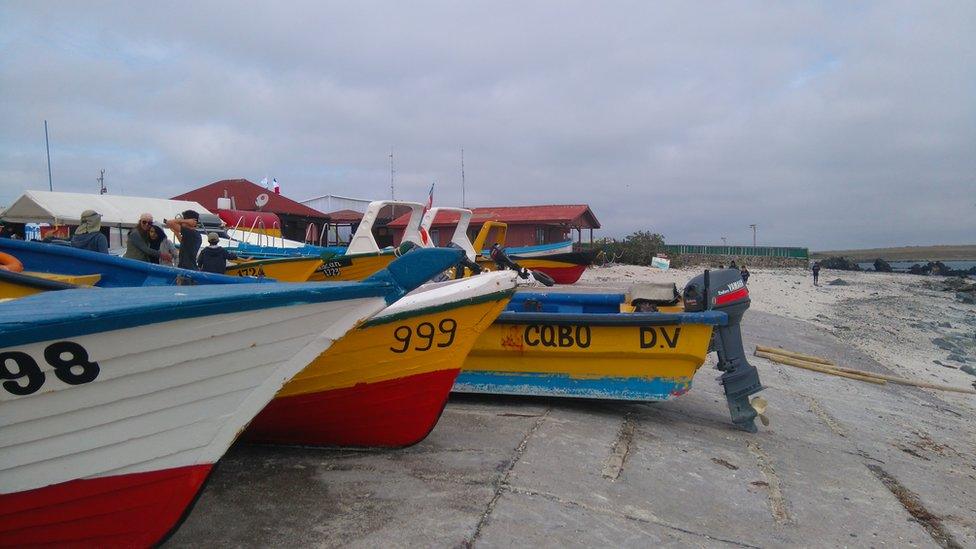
[[332, 268], [22, 376], [426, 335], [658, 336], [557, 336], [250, 271]]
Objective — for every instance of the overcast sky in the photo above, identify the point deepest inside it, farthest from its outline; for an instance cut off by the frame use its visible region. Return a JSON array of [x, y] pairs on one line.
[[829, 124]]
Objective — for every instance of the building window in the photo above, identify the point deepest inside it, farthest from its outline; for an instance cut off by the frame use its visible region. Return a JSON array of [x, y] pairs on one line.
[[540, 235]]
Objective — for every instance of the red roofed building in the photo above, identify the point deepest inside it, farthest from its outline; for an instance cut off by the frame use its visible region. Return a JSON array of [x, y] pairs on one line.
[[243, 194], [527, 225]]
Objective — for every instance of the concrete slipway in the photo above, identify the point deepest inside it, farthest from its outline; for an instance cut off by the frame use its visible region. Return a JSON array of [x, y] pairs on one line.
[[844, 463]]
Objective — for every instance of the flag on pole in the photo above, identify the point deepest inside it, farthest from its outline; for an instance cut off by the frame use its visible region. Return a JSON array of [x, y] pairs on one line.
[[277, 189], [430, 203]]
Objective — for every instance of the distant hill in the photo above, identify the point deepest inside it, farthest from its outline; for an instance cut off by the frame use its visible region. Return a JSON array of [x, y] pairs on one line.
[[906, 253]]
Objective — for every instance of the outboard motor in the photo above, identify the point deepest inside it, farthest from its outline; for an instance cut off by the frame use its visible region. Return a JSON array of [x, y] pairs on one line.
[[723, 290], [503, 262], [464, 263]]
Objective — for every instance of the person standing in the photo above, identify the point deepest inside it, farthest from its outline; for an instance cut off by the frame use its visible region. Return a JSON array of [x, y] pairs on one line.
[[744, 273], [138, 245], [816, 273], [88, 235], [213, 258], [186, 230], [158, 241]]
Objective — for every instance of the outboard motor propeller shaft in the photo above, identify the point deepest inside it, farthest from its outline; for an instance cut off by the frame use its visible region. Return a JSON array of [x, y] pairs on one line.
[[723, 290]]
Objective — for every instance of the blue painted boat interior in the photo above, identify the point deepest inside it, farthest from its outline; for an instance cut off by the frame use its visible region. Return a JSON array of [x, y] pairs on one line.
[[595, 309], [267, 252], [116, 271], [556, 302]]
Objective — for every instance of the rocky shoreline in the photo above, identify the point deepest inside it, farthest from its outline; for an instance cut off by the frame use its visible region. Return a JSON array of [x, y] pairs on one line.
[[936, 268]]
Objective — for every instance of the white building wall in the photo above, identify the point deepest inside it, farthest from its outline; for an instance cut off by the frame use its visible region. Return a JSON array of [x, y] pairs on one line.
[[331, 203]]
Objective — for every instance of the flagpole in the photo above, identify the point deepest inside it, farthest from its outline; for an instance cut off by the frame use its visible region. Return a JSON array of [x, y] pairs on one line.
[[462, 178], [50, 182]]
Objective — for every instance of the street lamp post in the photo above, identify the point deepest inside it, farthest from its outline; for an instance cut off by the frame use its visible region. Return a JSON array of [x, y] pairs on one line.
[[753, 225]]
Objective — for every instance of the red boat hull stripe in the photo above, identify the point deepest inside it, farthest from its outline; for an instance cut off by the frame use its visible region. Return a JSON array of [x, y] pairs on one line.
[[563, 275], [392, 414], [133, 510]]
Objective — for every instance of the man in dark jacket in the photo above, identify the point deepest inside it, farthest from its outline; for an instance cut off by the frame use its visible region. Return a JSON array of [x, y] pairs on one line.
[[213, 258], [185, 229], [88, 235]]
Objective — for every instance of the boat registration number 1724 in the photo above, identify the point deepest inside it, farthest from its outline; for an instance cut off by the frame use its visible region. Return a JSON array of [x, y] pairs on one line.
[[425, 336], [21, 374]]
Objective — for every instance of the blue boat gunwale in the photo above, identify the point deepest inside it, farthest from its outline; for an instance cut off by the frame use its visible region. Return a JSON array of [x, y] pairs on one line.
[[87, 260], [562, 385], [72, 313], [710, 318]]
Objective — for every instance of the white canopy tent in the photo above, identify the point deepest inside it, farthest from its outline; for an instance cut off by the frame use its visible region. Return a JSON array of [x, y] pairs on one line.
[[118, 212], [59, 208]]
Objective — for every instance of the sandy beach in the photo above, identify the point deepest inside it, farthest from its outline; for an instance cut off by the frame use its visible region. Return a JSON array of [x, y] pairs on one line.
[[842, 462]]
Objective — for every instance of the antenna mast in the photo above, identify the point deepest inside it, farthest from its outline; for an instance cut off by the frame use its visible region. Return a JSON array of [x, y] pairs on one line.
[[392, 172], [462, 177], [50, 182], [101, 183]]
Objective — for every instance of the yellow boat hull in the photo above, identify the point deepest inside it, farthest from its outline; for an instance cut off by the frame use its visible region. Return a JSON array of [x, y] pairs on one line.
[[289, 269], [77, 280], [383, 384], [14, 289], [629, 362], [352, 267]]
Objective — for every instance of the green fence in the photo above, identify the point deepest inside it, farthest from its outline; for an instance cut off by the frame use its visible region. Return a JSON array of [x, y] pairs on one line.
[[739, 251]]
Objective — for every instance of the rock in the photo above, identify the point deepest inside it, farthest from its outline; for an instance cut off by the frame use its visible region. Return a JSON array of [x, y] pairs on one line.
[[945, 325], [882, 266], [839, 263], [944, 344], [969, 370], [958, 358], [966, 297], [940, 363], [958, 284], [838, 282]]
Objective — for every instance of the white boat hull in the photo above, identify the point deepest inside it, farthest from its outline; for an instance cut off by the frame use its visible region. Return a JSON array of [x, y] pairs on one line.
[[170, 397]]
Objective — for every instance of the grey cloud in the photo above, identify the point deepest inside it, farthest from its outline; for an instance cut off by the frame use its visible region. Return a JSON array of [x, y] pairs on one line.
[[829, 125]]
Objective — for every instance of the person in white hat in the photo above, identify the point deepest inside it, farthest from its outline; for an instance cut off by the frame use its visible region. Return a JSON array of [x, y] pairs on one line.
[[88, 235]]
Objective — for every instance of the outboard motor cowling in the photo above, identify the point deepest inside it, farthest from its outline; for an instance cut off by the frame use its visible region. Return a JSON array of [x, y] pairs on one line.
[[723, 290]]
